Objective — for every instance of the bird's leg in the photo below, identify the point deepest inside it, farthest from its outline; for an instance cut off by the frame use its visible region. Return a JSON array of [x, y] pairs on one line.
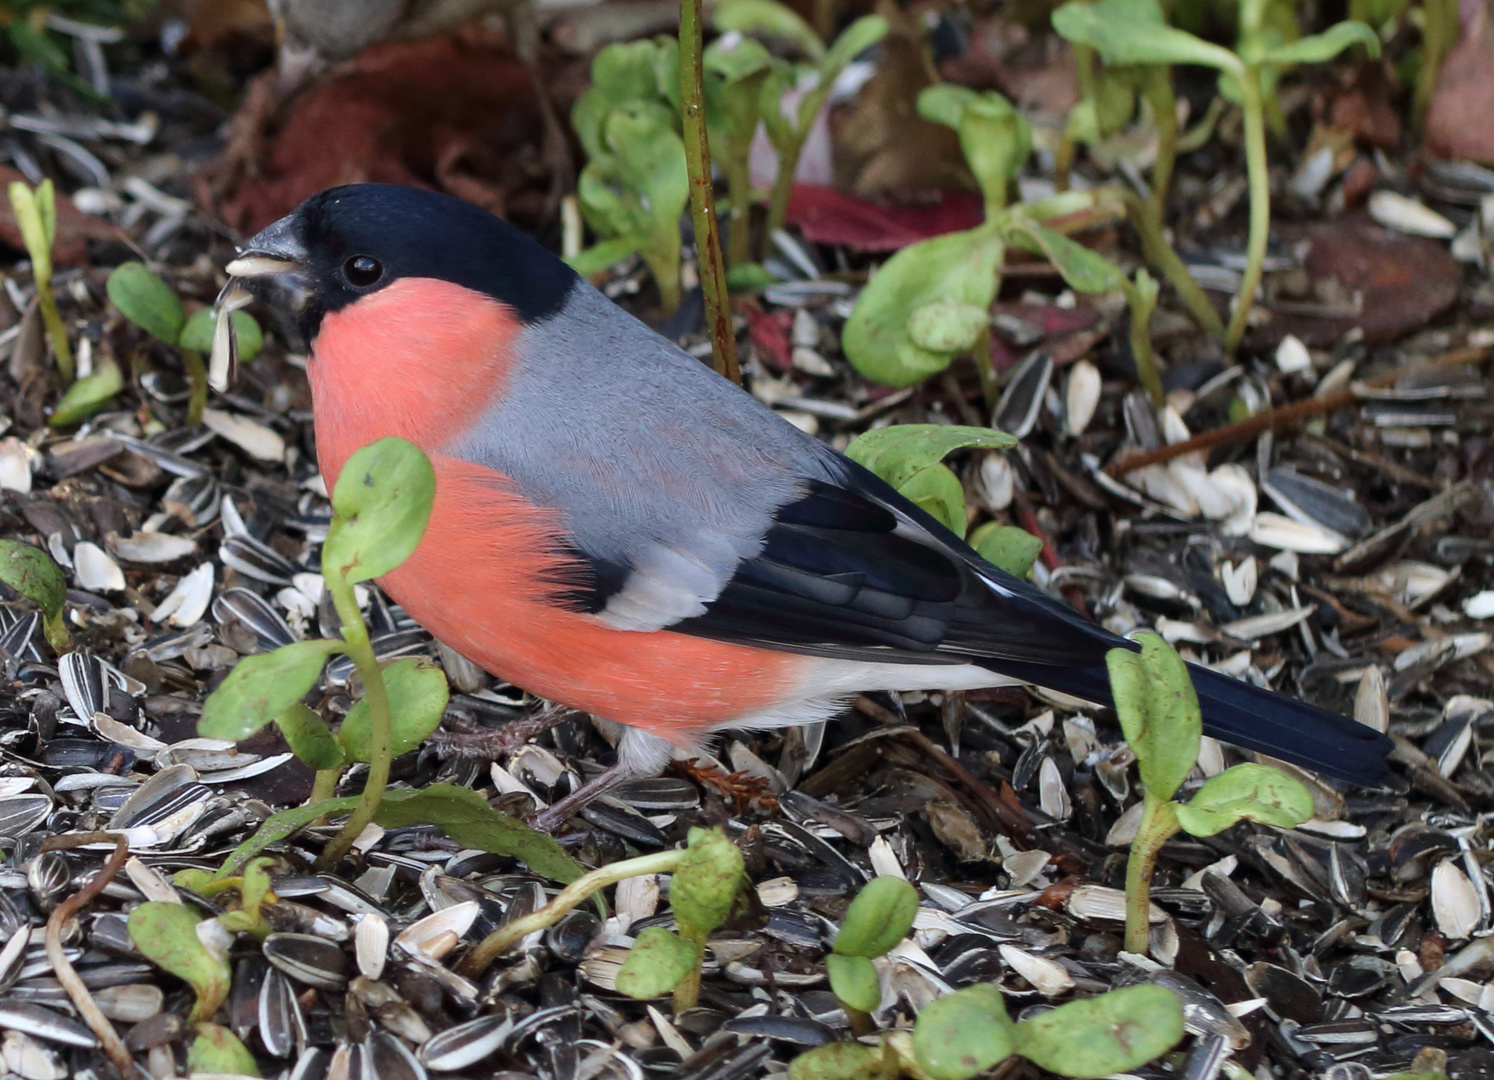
[[551, 820], [466, 739]]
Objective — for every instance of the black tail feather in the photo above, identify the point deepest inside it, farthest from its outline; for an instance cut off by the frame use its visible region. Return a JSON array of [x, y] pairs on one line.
[[1245, 715]]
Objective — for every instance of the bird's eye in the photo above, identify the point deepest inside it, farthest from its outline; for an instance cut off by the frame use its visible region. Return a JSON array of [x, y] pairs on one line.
[[362, 271]]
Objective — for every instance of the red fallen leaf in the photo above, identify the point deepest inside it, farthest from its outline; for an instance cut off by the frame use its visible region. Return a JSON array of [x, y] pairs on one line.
[[74, 227], [1458, 118], [1069, 332], [437, 114], [1404, 282], [769, 334], [828, 216]]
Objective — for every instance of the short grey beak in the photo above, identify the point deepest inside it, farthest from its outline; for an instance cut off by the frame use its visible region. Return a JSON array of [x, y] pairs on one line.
[[274, 250]]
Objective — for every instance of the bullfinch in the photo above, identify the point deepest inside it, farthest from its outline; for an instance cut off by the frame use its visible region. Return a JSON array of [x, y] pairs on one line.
[[619, 529]]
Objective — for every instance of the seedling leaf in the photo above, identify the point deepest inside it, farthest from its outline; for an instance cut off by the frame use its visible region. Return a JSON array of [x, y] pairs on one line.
[[898, 452], [1257, 792], [197, 332], [166, 935], [853, 41], [854, 981], [879, 917], [88, 395], [1007, 547], [1158, 711], [261, 688], [309, 738], [1325, 46], [1134, 32], [417, 700], [381, 505], [959, 266], [768, 18], [841, 1061], [147, 301], [31, 220], [1084, 270], [963, 1034], [947, 325], [706, 884], [657, 963], [1111, 1033], [218, 1050], [937, 492], [31, 572]]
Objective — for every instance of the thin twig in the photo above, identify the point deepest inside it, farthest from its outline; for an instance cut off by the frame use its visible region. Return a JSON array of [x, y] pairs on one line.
[[1289, 414], [703, 196], [62, 967]]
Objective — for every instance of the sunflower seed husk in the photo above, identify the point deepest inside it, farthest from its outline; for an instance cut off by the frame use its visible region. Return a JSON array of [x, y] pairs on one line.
[[308, 959]]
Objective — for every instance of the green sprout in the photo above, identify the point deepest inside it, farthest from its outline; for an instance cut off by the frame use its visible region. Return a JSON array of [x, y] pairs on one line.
[[253, 885], [1159, 715], [31, 572], [217, 1050], [635, 185], [705, 886], [708, 877], [879, 918], [819, 69], [36, 217], [380, 507], [1134, 32], [148, 302], [993, 136], [736, 68], [963, 1034], [166, 934]]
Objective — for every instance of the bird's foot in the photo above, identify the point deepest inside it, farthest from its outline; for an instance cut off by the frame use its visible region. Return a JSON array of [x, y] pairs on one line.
[[551, 820], [740, 787]]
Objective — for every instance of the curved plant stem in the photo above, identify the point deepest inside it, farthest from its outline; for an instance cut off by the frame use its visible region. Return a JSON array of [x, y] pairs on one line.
[[496, 943], [1158, 93], [739, 186], [325, 785], [56, 330], [355, 633], [1159, 253], [703, 197], [1158, 822], [1260, 205], [783, 183], [62, 967], [197, 379], [1141, 306]]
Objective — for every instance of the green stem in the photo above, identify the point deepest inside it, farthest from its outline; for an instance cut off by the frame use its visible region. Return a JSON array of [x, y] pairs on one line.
[[1159, 253], [703, 197], [1158, 93], [197, 377], [1260, 205], [325, 785], [1141, 346], [572, 896], [687, 990], [665, 267], [783, 184], [56, 329], [381, 751], [739, 187], [1158, 823], [861, 1023]]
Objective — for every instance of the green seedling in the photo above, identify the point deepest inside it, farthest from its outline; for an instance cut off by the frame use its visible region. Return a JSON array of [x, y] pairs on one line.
[[635, 184], [253, 886], [147, 301], [167, 935], [380, 508], [965, 1033], [736, 68], [1158, 710], [708, 877], [1089, 272], [702, 892], [1134, 32], [848, 1061], [910, 458], [816, 72], [89, 394], [36, 217], [31, 572], [993, 136], [879, 918]]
